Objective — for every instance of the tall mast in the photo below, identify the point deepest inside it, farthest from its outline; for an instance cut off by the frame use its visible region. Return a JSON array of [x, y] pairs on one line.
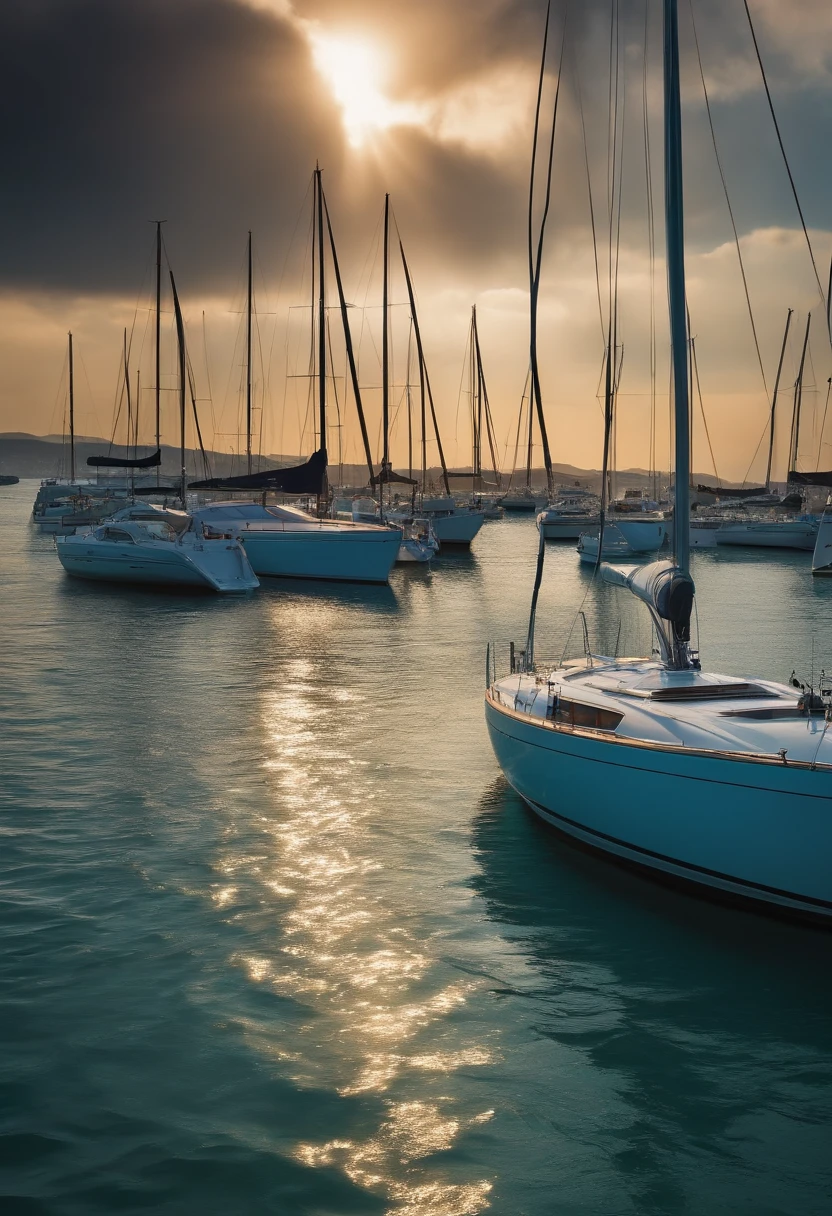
[[530, 445], [675, 238], [158, 337], [321, 311], [424, 382], [385, 355], [774, 400], [342, 300], [180, 337], [71, 415], [476, 402], [248, 363], [798, 401]]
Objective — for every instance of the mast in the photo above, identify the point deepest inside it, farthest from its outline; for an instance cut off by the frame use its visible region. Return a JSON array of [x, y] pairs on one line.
[[136, 416], [248, 363], [348, 343], [424, 382], [71, 414], [180, 338], [158, 336], [798, 401], [321, 310], [385, 355], [675, 238], [476, 402], [485, 411], [530, 444], [774, 400], [535, 260]]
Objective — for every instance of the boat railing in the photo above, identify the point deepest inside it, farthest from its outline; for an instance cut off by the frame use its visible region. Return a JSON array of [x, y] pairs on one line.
[[505, 658]]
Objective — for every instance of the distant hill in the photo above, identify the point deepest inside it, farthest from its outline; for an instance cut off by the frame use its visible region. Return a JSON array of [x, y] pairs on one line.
[[47, 456]]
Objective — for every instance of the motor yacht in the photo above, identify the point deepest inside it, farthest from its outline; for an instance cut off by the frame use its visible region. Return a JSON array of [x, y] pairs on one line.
[[141, 545]]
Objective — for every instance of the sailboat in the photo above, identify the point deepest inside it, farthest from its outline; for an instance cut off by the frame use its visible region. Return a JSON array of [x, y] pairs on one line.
[[145, 545], [285, 541], [61, 506], [450, 524], [718, 782], [768, 527]]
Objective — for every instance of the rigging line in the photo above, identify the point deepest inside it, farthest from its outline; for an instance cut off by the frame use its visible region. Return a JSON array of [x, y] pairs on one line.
[[519, 426], [823, 423], [338, 425], [695, 368], [577, 77], [718, 159], [786, 163], [465, 369]]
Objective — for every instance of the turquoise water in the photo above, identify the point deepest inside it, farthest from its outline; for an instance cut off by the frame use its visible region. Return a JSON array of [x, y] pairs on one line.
[[276, 938]]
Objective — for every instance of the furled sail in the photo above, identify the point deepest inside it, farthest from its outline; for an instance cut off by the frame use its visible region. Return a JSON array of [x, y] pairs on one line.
[[124, 462], [810, 479], [308, 478], [386, 475], [722, 492]]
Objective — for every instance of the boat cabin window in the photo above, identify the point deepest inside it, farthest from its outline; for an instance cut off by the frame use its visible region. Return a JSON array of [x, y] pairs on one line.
[[574, 713], [116, 534], [159, 530]]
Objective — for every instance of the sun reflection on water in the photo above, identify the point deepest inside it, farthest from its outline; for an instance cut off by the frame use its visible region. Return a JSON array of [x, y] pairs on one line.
[[376, 1015]]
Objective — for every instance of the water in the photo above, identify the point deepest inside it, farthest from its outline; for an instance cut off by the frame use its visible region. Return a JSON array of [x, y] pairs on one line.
[[276, 938]]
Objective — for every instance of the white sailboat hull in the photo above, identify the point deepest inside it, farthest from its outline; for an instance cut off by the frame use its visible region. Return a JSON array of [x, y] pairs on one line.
[[457, 529], [822, 555], [643, 535], [757, 830], [797, 534], [567, 527], [214, 565], [414, 551]]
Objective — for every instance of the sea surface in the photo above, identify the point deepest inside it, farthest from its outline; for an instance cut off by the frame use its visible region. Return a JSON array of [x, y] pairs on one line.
[[275, 936]]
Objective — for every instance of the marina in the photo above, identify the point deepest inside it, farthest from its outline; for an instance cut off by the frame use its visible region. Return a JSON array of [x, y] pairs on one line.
[[295, 951], [417, 687]]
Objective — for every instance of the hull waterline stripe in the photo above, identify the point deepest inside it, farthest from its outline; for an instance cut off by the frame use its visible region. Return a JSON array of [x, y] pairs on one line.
[[804, 900]]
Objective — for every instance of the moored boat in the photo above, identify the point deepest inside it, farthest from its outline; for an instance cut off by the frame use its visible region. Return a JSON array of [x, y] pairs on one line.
[[798, 533], [723, 783], [285, 542], [147, 550]]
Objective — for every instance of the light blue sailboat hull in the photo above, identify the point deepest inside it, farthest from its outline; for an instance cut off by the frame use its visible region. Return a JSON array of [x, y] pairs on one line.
[[754, 830], [360, 557]]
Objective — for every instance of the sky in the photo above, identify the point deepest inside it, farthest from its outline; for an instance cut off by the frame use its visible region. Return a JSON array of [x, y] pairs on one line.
[[211, 115]]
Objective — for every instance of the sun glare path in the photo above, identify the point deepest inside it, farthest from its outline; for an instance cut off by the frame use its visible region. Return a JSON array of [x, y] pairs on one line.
[[354, 71]]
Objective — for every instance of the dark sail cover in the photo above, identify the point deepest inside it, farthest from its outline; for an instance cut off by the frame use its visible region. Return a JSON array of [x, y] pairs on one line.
[[810, 479], [124, 462], [385, 476], [298, 479], [150, 490], [722, 492]]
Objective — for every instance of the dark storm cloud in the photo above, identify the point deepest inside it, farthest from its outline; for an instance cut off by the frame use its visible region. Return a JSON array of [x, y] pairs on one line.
[[198, 111], [210, 114]]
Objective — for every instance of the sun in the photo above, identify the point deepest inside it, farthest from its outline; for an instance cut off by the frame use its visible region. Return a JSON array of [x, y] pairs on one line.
[[355, 71]]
